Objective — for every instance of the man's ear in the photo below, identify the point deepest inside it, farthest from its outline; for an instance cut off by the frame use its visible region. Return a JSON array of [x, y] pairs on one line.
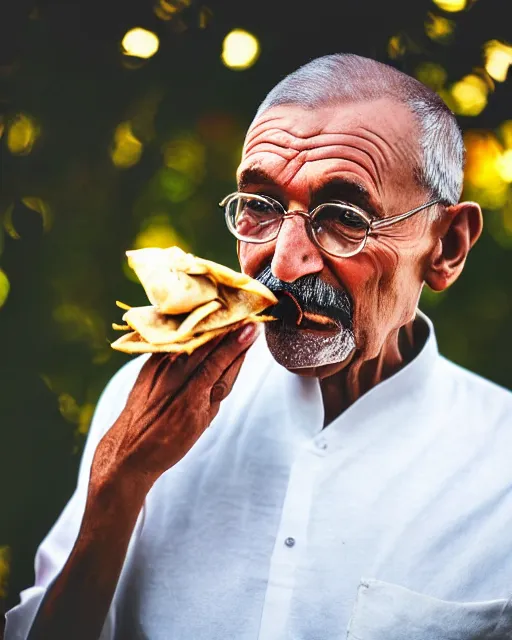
[[459, 229]]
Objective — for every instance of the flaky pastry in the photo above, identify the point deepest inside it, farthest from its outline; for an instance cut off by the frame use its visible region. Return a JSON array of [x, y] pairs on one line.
[[192, 301]]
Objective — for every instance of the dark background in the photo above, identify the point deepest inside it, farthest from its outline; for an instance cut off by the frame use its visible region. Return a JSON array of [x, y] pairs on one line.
[[67, 213]]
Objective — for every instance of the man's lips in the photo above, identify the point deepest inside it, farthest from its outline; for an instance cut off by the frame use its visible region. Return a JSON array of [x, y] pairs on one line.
[[318, 322], [308, 294], [290, 313]]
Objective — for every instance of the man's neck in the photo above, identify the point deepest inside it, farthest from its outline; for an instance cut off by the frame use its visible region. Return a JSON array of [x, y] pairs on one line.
[[343, 388]]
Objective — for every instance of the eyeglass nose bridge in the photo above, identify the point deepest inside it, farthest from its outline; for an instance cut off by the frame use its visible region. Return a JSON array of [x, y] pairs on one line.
[[308, 224], [308, 219], [297, 212]]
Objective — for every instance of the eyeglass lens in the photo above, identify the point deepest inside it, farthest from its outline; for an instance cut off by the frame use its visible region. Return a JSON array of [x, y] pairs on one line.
[[337, 228]]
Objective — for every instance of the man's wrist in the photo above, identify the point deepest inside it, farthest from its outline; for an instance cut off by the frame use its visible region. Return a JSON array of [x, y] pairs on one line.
[[116, 499]]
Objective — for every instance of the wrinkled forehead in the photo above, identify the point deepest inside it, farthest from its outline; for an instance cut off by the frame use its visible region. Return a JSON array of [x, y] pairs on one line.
[[391, 120], [381, 136]]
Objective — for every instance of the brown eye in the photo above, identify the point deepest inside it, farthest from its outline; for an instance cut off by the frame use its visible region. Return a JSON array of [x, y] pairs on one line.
[[253, 219], [260, 207], [335, 225], [340, 215]]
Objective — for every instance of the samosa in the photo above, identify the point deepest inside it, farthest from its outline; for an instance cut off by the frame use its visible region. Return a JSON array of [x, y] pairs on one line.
[[192, 301]]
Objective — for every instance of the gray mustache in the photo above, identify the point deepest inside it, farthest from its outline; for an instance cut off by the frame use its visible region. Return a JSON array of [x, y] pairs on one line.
[[313, 295]]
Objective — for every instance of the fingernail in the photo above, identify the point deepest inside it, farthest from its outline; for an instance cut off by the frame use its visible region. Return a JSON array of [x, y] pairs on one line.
[[247, 333]]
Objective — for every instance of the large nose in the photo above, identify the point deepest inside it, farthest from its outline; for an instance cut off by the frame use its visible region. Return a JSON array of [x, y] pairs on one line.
[[295, 255]]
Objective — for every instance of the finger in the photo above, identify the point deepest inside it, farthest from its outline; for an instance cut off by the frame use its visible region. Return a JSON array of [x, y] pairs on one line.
[[175, 371], [217, 392], [224, 384], [164, 373], [203, 353], [219, 360], [170, 374]]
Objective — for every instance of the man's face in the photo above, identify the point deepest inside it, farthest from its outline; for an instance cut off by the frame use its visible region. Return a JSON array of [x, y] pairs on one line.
[[362, 154]]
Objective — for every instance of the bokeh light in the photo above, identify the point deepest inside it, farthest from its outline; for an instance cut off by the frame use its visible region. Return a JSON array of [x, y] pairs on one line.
[[168, 9], [174, 185], [185, 154], [438, 28], [72, 412], [470, 95], [5, 287], [505, 132], [498, 58], [451, 5], [157, 231], [482, 153], [8, 223], [5, 557], [396, 47], [484, 180], [140, 43], [68, 407], [22, 134], [504, 165], [78, 323], [205, 16], [240, 49], [43, 208], [431, 74], [85, 417], [127, 148]]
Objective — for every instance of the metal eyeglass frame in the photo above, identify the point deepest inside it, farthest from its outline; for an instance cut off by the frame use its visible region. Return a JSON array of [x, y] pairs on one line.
[[373, 224]]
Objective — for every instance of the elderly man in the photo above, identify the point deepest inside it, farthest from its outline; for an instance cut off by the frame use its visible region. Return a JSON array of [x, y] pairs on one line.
[[355, 483]]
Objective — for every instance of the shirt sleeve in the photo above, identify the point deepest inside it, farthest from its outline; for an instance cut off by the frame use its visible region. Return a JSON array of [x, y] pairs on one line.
[[56, 547]]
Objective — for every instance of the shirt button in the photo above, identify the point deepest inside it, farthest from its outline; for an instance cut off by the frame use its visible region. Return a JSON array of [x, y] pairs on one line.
[[290, 542], [322, 444]]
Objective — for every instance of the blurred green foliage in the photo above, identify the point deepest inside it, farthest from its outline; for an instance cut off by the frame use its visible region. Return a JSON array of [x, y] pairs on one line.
[[103, 152]]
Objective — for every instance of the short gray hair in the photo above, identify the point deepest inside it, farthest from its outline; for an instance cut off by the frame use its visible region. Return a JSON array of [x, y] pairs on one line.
[[345, 77]]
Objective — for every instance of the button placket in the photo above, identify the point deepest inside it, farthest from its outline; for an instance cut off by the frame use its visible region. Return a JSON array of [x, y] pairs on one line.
[[290, 541], [321, 444]]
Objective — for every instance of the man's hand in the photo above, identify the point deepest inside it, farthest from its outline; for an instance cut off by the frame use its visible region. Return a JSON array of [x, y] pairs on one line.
[[173, 400]]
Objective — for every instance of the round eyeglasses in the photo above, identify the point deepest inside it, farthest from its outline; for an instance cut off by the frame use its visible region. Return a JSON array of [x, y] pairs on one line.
[[337, 228]]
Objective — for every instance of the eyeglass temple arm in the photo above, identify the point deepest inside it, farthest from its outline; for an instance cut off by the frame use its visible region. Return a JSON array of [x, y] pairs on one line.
[[224, 201], [387, 222]]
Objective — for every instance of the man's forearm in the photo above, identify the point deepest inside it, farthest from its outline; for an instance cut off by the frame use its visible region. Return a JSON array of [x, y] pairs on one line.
[[76, 604]]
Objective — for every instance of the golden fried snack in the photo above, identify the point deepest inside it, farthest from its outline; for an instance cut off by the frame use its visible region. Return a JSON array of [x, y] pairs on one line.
[[193, 300]]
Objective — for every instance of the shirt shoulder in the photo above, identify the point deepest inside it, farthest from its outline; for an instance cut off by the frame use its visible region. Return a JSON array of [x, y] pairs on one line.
[[114, 396], [474, 396], [127, 373], [110, 404]]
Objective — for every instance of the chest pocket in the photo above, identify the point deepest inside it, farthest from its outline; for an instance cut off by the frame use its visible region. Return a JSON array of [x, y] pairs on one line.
[[385, 611]]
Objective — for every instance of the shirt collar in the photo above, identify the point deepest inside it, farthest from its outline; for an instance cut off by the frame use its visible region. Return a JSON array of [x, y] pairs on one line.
[[400, 392]]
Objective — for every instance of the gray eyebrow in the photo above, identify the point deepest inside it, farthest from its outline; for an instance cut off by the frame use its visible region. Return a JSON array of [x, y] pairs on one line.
[[255, 176], [348, 191]]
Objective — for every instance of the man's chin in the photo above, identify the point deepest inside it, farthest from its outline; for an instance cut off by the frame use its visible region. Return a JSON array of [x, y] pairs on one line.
[[304, 349]]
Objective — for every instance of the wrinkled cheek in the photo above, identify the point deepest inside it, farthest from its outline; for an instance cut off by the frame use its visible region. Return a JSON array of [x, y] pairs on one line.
[[254, 257], [384, 256], [370, 280]]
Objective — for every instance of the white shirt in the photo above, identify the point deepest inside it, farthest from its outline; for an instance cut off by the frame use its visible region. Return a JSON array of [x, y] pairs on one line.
[[393, 523]]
